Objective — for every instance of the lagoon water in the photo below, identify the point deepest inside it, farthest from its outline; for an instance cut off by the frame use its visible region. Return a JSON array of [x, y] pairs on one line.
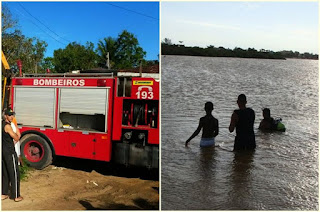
[[282, 174]]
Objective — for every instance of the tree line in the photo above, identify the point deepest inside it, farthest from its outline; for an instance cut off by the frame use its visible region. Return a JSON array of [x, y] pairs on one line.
[[124, 51], [168, 48]]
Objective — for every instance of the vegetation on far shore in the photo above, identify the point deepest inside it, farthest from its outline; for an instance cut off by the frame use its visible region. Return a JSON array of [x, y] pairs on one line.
[[168, 48]]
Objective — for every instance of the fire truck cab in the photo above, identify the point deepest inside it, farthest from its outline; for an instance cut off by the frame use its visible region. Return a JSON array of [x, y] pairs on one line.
[[89, 116]]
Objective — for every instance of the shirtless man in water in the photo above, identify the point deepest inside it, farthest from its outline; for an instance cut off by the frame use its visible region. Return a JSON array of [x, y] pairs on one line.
[[209, 126]]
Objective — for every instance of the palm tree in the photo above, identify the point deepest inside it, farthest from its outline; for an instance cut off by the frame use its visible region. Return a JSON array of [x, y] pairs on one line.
[[104, 46]]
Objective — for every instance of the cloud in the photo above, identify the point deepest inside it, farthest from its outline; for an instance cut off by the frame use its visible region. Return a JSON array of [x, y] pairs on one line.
[[228, 27]]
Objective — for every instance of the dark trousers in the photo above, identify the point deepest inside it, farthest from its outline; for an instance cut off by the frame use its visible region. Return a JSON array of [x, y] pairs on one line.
[[10, 175]]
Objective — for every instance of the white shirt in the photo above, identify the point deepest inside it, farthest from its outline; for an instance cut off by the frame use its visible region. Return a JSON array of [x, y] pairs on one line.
[[17, 145]]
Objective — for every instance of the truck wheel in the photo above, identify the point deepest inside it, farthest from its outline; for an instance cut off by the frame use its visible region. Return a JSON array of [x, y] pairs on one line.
[[36, 151]]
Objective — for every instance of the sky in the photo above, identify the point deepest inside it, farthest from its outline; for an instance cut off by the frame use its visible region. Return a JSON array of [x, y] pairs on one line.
[[272, 26], [59, 23]]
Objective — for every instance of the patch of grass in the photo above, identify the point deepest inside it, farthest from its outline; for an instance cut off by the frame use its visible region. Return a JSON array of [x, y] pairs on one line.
[[24, 170]]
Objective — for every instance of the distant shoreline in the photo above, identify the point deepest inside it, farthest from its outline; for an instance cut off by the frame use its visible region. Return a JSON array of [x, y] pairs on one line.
[[211, 51], [240, 57], [229, 57]]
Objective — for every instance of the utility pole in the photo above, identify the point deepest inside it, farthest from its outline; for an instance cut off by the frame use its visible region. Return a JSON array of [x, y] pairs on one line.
[[140, 70], [108, 61]]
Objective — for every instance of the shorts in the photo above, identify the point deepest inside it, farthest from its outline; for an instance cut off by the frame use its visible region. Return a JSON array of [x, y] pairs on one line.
[[206, 142]]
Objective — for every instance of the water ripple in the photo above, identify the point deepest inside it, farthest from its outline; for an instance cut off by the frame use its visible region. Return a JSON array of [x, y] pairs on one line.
[[282, 174]]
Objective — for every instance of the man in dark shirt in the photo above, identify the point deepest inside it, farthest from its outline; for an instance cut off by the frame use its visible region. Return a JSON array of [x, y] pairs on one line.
[[10, 168], [243, 120], [209, 126]]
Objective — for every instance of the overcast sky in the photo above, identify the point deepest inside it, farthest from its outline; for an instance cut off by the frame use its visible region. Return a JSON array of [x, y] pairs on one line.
[[261, 25]]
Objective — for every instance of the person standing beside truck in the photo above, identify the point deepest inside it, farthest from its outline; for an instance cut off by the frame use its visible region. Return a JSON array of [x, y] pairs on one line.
[[10, 168], [14, 126]]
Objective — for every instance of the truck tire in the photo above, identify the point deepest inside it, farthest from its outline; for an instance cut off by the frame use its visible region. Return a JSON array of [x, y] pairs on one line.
[[36, 151]]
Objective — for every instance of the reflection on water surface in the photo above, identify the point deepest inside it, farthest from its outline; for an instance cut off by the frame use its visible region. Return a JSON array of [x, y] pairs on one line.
[[281, 174]]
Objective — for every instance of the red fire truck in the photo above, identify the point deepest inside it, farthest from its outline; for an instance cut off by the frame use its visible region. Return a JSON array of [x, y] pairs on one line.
[[90, 116]]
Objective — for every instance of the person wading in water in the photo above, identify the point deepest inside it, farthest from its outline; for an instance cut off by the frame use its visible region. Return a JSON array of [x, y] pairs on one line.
[[209, 126], [243, 120], [267, 123]]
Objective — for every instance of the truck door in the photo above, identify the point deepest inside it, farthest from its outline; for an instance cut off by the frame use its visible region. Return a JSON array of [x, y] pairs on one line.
[[35, 106], [82, 115]]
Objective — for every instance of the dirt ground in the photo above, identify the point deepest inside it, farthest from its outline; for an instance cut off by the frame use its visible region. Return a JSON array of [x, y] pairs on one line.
[[67, 188]]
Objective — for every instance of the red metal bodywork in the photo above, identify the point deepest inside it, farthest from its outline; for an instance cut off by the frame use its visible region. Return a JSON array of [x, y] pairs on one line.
[[91, 145], [118, 101]]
